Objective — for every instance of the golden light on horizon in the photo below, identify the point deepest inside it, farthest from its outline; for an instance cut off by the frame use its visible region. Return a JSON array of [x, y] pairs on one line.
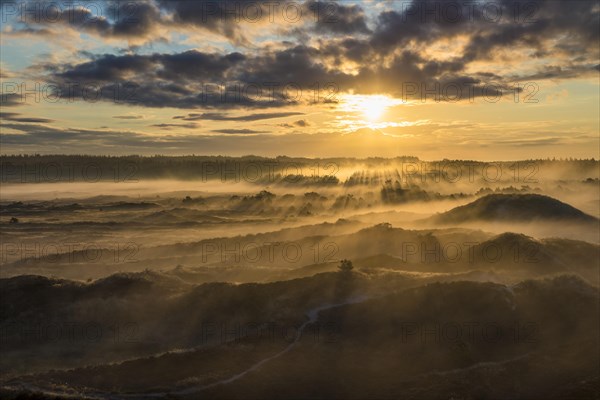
[[369, 109], [372, 107]]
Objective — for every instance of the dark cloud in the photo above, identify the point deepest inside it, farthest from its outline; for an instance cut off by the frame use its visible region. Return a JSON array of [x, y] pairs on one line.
[[59, 140], [185, 80], [109, 141], [53, 140], [199, 80], [226, 117], [531, 142], [337, 18], [224, 17], [128, 116], [205, 80], [144, 19], [103, 18], [237, 131], [490, 26], [106, 68], [230, 17], [11, 116], [543, 27], [169, 126], [8, 115], [194, 64], [11, 99], [390, 59], [561, 72], [28, 31], [424, 21], [497, 23], [302, 123], [355, 50], [300, 65]]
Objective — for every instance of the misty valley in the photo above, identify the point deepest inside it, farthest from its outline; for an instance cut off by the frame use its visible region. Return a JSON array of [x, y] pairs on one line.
[[247, 278]]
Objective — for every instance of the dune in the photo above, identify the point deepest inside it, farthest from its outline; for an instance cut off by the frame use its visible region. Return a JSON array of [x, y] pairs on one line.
[[514, 207]]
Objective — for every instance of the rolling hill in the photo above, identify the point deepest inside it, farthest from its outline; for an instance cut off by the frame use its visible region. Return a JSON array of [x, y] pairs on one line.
[[514, 207]]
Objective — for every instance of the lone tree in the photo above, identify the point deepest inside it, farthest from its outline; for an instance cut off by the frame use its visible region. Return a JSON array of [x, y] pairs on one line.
[[345, 266]]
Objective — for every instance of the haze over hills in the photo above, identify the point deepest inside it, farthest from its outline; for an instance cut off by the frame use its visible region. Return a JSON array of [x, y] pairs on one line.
[[240, 291], [297, 252]]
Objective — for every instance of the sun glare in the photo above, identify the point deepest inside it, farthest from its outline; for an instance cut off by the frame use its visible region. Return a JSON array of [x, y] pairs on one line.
[[367, 110], [371, 107]]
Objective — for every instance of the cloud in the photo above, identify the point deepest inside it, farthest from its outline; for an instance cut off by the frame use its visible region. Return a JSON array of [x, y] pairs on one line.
[[191, 79], [104, 19], [128, 117], [361, 143], [5, 73], [299, 123], [337, 18], [169, 126], [302, 123], [146, 21], [226, 117], [350, 56], [11, 99], [11, 116], [223, 17], [237, 131]]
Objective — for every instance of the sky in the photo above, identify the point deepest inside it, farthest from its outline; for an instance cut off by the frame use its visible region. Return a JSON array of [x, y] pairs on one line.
[[487, 80]]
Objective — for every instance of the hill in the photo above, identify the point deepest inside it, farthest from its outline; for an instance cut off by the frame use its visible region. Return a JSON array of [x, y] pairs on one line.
[[514, 207]]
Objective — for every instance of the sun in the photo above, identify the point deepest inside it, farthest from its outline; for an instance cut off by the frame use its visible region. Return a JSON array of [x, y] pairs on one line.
[[370, 107], [374, 108]]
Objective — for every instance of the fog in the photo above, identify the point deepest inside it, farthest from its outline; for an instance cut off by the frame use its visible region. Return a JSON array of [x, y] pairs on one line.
[[115, 282]]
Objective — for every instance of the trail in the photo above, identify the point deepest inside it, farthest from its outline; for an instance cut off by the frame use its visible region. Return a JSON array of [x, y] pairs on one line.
[[312, 315]]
